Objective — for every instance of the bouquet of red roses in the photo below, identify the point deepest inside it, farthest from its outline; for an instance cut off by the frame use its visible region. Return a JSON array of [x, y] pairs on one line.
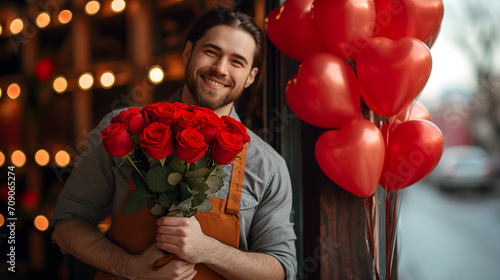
[[178, 152]]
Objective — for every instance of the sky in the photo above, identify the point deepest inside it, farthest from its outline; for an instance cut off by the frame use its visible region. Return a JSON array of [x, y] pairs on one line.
[[452, 68]]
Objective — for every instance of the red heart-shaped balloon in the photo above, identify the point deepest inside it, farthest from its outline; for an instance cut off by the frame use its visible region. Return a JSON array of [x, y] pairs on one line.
[[414, 149], [325, 91], [290, 29], [393, 73], [352, 157], [344, 26], [419, 19]]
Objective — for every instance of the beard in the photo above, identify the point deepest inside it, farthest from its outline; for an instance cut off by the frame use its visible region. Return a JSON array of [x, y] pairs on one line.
[[205, 96]]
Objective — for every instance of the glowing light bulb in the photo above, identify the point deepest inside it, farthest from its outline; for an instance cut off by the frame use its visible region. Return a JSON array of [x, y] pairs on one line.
[[0, 92], [156, 74], [107, 79], [92, 7], [65, 16], [85, 81], [42, 20], [42, 157], [118, 6], [16, 26], [14, 90], [41, 223], [60, 84], [62, 158], [2, 220], [1, 29], [18, 158]]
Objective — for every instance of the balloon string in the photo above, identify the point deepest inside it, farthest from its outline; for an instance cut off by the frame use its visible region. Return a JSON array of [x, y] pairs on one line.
[[387, 245], [371, 213]]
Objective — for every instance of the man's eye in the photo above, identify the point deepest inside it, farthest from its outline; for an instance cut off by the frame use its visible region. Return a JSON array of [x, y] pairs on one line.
[[210, 52], [237, 62]]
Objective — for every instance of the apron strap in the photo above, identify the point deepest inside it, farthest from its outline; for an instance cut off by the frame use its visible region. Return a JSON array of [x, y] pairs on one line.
[[233, 200]]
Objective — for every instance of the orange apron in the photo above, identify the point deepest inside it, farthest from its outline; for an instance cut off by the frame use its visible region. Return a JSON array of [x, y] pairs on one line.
[[135, 233]]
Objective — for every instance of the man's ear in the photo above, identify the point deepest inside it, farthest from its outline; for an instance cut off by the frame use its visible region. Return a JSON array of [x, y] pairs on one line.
[[186, 54], [251, 77]]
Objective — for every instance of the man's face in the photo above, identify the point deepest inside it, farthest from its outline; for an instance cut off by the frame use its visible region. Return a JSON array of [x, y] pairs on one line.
[[219, 66]]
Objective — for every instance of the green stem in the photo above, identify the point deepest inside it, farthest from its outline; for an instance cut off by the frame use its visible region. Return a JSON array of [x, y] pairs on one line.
[[187, 168], [135, 166], [212, 171]]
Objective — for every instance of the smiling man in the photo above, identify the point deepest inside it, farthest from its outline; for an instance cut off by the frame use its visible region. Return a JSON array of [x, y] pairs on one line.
[[247, 234]]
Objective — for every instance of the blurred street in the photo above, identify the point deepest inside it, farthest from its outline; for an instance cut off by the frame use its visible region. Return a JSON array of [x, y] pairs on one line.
[[449, 236]]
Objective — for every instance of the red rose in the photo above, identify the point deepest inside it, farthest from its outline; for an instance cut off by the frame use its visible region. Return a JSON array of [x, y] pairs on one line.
[[226, 147], [194, 108], [116, 140], [184, 120], [165, 114], [210, 125], [237, 128], [191, 145], [147, 112], [132, 117], [180, 106], [156, 139]]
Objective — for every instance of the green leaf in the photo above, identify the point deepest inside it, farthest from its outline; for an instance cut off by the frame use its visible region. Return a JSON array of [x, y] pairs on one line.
[[185, 192], [156, 179], [162, 161], [214, 183], [198, 172], [186, 205], [202, 162], [221, 172], [198, 199], [166, 199], [205, 206], [177, 164], [174, 178], [135, 201], [198, 186], [151, 202], [158, 211]]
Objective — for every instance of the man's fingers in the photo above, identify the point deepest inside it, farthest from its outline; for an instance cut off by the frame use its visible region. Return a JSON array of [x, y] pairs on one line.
[[179, 269], [173, 221]]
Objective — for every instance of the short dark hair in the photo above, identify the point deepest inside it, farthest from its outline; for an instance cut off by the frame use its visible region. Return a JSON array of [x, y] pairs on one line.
[[233, 18]]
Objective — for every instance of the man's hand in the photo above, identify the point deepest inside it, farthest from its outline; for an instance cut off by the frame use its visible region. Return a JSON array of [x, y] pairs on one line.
[[183, 237], [175, 269]]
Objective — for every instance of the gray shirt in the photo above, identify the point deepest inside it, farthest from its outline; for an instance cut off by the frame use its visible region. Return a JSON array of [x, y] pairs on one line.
[[95, 189]]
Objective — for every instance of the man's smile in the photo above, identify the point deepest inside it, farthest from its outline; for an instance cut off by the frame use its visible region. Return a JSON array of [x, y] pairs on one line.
[[214, 83]]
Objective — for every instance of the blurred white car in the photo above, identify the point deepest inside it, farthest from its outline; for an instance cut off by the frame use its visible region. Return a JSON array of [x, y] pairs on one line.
[[466, 167]]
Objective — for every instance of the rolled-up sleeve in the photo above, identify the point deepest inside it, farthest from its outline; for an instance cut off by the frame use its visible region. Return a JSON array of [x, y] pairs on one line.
[[272, 231], [91, 184]]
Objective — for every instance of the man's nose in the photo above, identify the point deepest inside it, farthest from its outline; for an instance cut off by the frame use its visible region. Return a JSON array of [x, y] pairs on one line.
[[220, 67]]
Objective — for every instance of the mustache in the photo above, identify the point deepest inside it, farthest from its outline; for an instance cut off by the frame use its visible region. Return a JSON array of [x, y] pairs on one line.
[[214, 76]]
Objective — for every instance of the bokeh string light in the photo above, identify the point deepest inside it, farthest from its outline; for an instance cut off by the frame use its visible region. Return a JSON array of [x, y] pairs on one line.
[[60, 84], [117, 6], [85, 81], [16, 26], [65, 16], [42, 20], [14, 90], [42, 157], [18, 158], [62, 158], [107, 79], [92, 7], [156, 74]]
